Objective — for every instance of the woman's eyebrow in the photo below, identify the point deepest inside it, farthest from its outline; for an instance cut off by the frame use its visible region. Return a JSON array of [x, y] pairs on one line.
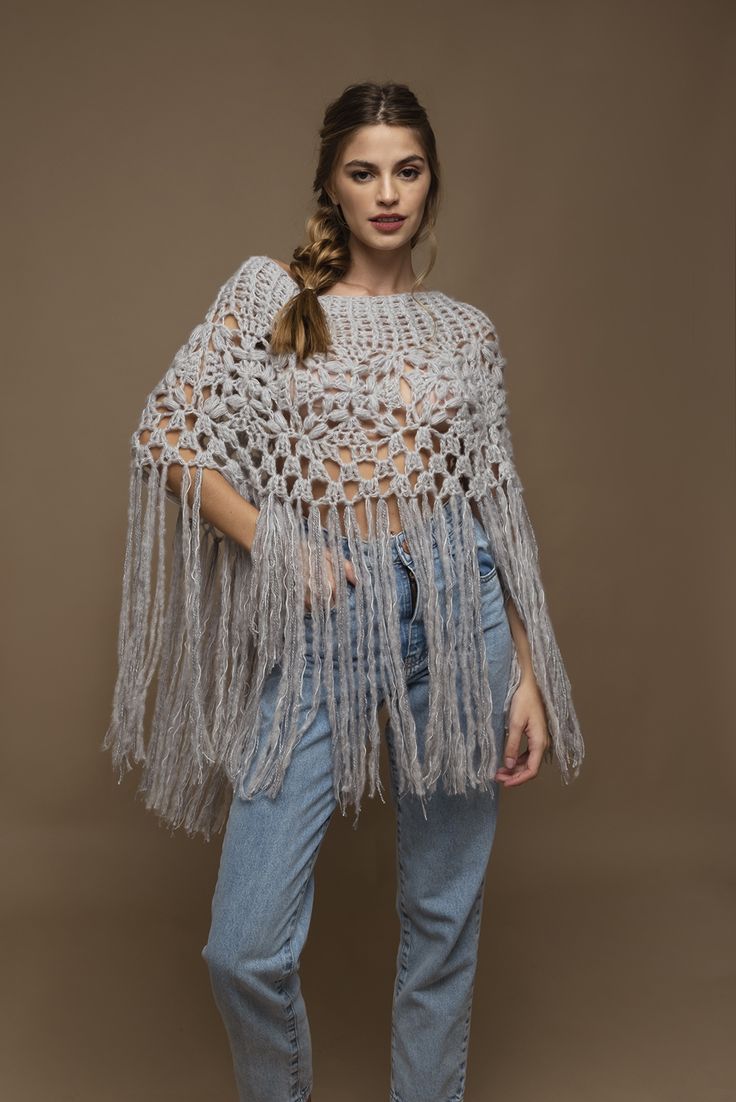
[[374, 168]]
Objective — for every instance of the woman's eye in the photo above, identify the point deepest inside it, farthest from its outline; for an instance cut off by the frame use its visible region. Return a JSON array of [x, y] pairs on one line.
[[364, 172]]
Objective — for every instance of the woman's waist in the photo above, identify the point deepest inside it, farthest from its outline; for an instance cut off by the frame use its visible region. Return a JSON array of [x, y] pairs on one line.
[[431, 522]]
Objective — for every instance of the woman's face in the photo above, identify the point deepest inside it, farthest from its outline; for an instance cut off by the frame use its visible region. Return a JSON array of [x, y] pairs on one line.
[[382, 170]]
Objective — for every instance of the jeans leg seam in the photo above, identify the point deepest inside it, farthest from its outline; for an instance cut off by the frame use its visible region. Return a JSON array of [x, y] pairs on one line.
[[292, 1031], [405, 941], [469, 1008], [287, 1001]]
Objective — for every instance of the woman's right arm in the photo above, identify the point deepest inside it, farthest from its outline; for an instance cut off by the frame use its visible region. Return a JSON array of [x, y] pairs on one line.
[[235, 517], [220, 503]]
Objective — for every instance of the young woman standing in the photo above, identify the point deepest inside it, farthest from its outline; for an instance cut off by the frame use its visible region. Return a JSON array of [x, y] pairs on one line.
[[351, 534]]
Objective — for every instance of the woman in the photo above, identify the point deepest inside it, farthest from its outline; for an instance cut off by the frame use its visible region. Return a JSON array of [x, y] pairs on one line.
[[351, 533]]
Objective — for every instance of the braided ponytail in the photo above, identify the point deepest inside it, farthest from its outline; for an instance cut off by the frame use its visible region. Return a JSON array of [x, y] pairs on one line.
[[301, 326]]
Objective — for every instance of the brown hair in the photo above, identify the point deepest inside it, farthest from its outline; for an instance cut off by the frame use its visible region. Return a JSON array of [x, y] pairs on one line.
[[301, 325]]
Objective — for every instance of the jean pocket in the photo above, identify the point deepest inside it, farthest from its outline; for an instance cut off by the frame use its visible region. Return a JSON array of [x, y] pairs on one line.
[[486, 561], [486, 564]]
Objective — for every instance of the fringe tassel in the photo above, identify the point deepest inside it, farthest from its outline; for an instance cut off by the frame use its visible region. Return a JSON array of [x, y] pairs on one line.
[[231, 619], [506, 520]]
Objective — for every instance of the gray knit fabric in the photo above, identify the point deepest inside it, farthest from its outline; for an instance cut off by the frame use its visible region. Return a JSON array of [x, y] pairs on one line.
[[214, 629]]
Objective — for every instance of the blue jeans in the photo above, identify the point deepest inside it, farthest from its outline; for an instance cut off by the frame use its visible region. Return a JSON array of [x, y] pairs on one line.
[[263, 899]]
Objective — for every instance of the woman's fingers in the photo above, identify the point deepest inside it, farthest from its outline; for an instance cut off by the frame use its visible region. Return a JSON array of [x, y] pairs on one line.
[[348, 570], [526, 768], [518, 773]]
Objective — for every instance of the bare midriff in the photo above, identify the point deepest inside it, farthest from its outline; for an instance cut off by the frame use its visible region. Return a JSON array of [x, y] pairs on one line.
[[359, 507], [366, 468]]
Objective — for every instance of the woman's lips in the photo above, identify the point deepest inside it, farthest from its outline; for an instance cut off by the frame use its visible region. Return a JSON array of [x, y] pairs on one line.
[[387, 225]]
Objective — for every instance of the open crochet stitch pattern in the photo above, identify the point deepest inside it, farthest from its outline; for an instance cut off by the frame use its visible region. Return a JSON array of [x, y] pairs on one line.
[[413, 387]]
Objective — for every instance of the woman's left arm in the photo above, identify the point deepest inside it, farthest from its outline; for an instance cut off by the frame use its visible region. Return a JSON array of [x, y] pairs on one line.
[[526, 714], [541, 705]]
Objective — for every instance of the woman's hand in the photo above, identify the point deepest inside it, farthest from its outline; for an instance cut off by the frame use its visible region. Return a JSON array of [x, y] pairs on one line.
[[526, 716], [329, 572]]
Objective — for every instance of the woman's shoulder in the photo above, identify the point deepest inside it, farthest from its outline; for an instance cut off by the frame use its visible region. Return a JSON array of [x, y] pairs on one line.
[[475, 320], [265, 267], [269, 280], [254, 291], [281, 264]]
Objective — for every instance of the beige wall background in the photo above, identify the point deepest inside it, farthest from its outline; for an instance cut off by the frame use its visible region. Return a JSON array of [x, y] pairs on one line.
[[589, 171]]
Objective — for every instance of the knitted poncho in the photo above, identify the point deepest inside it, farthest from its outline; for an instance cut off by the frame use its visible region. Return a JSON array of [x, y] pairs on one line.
[[414, 384]]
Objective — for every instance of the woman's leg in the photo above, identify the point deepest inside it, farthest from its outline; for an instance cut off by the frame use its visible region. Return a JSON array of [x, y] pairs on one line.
[[261, 910], [441, 870]]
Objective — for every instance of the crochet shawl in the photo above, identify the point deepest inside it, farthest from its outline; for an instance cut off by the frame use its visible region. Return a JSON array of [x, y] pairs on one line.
[[228, 616]]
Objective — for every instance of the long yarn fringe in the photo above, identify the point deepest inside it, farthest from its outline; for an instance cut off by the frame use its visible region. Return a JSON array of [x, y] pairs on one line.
[[508, 525], [234, 618]]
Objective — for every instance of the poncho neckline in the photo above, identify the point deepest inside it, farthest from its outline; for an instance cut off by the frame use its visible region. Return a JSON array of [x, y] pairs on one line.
[[397, 297]]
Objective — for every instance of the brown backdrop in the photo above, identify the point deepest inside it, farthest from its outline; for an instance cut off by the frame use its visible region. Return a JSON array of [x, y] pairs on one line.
[[589, 168]]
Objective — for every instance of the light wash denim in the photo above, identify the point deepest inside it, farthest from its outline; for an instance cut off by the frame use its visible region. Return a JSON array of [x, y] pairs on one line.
[[263, 899]]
